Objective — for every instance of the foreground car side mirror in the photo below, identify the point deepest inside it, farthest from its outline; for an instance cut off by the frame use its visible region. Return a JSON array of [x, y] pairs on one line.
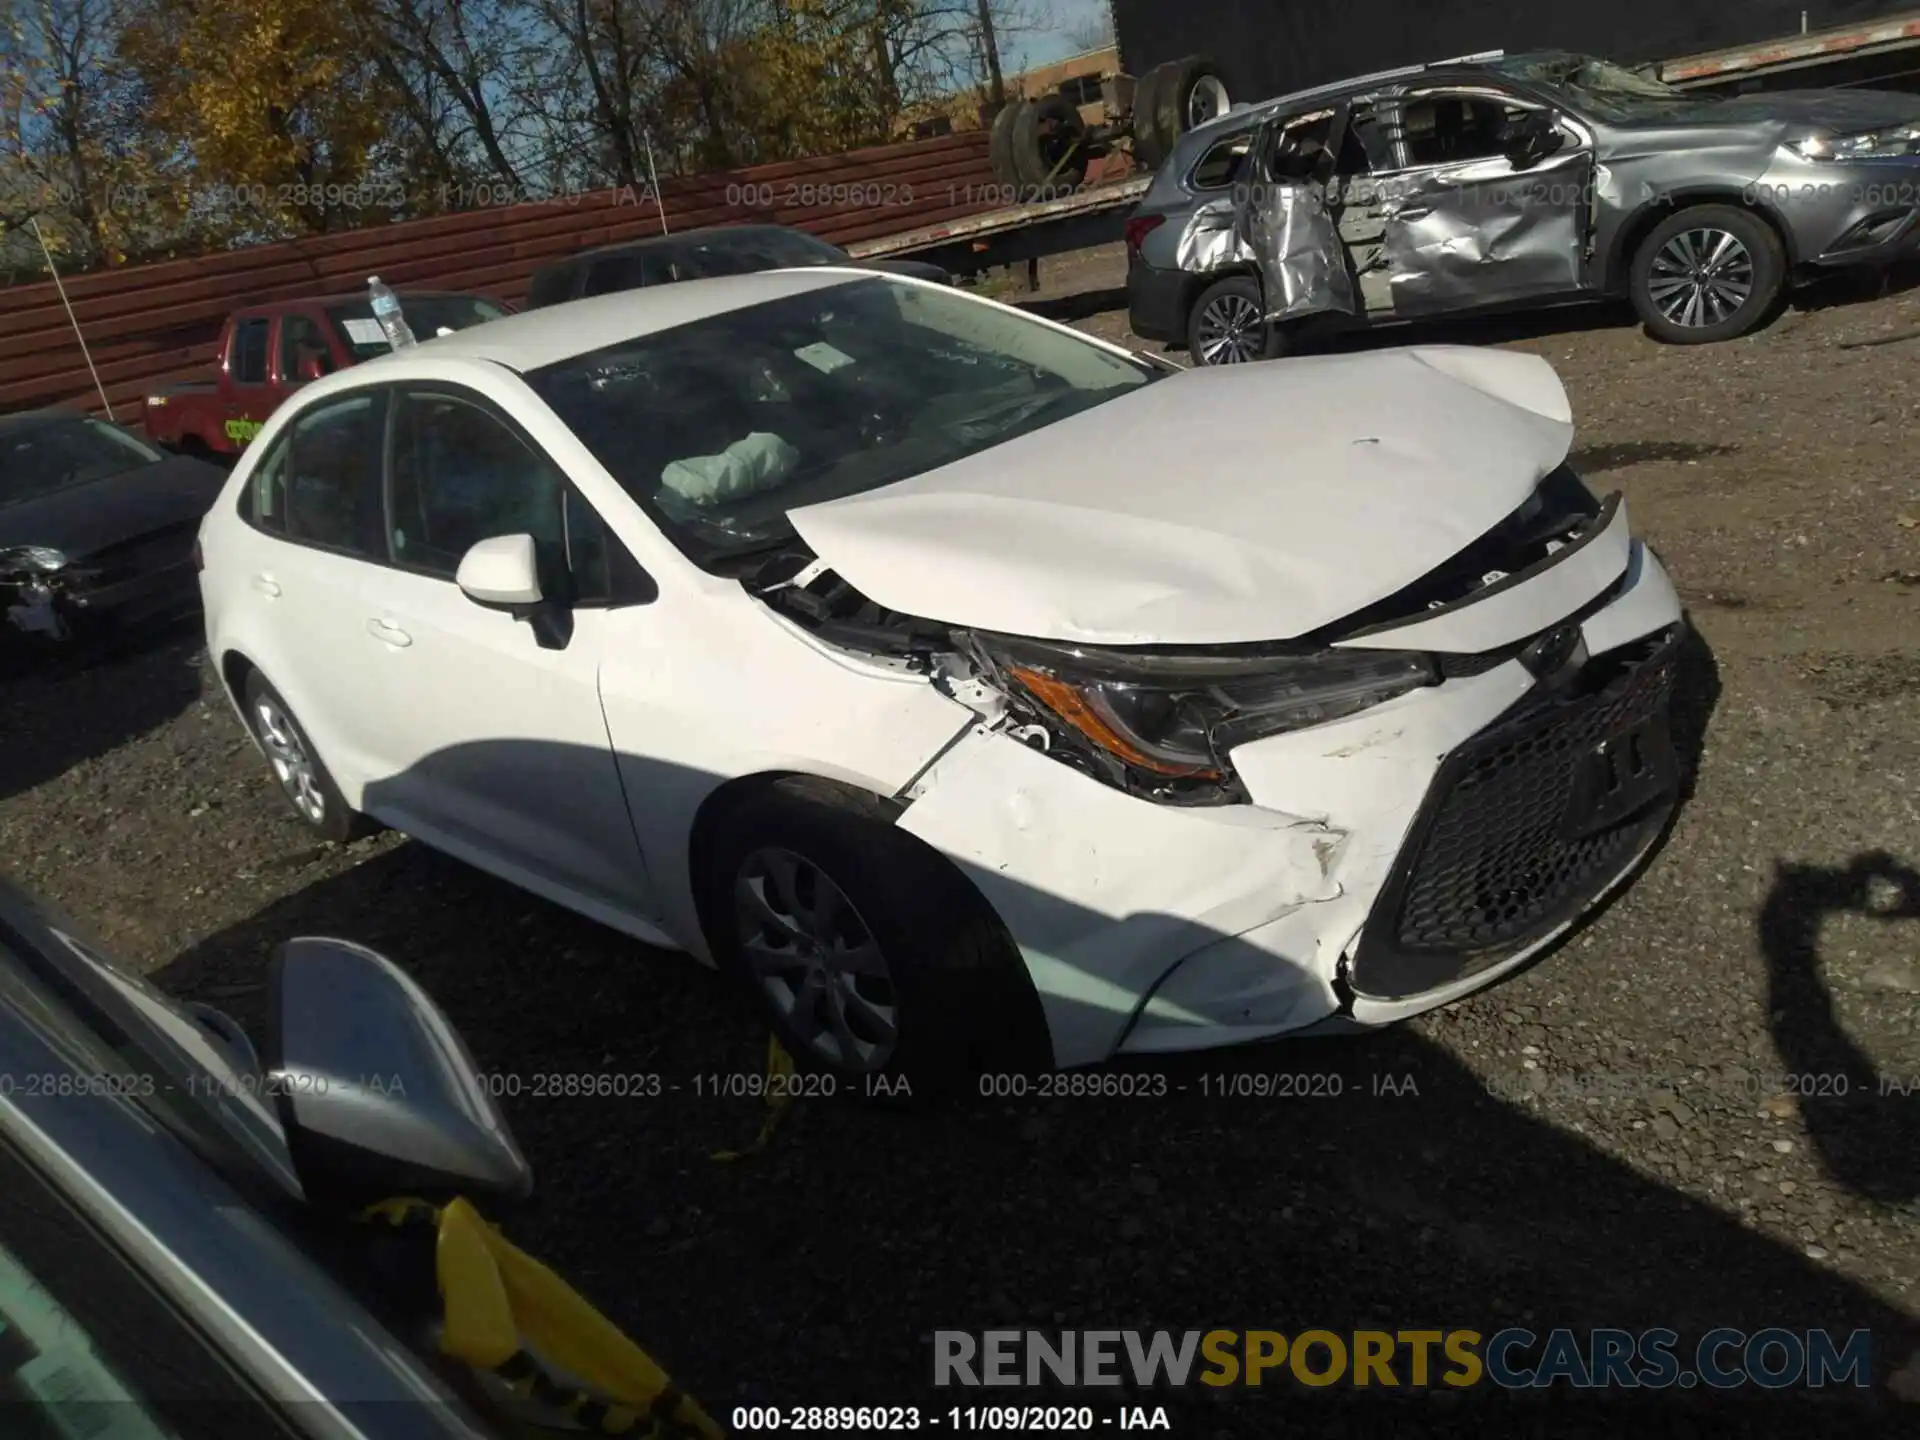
[[376, 1091], [502, 573]]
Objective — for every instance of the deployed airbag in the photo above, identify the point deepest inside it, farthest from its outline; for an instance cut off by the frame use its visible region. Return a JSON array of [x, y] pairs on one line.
[[747, 467]]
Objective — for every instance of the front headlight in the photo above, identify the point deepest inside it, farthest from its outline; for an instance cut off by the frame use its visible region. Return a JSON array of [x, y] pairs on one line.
[[1173, 718], [33, 557], [1888, 144]]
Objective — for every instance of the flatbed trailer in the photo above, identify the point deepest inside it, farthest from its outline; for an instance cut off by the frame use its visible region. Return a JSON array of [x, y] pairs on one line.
[[1882, 53], [1091, 215], [1275, 47]]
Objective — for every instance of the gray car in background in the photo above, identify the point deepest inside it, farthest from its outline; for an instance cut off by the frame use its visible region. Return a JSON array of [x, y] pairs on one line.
[[1513, 181]]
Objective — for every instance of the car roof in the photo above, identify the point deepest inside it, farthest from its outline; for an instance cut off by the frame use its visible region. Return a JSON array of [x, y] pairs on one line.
[[534, 338], [1235, 122], [21, 419], [357, 297], [704, 235]]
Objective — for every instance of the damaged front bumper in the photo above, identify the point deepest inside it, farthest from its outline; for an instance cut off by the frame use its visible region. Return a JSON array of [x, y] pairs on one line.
[[74, 606], [1388, 863]]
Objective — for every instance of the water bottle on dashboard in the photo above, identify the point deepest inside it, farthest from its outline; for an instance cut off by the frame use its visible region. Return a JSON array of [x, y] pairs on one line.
[[386, 311]]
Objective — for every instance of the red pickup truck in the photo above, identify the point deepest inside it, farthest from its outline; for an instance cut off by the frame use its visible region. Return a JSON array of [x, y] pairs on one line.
[[266, 352]]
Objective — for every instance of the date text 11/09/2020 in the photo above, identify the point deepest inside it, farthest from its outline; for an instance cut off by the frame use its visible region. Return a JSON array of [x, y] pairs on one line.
[[894, 1419]]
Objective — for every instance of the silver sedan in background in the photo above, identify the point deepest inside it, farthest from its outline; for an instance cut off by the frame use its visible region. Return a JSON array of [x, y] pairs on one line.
[[1515, 181]]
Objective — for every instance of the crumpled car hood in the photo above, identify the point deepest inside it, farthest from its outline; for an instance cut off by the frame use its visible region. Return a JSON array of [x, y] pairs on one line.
[[1216, 506], [1844, 112]]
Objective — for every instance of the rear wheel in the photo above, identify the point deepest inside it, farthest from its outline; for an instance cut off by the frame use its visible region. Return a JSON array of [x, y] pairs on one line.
[[1707, 273], [296, 766], [872, 957], [1228, 325]]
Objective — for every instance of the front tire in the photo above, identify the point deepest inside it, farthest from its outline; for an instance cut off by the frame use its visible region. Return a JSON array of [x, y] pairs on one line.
[[1707, 273], [1228, 325], [304, 781], [870, 954]]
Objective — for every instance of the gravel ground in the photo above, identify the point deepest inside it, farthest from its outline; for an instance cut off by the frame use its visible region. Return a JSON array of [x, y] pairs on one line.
[[1703, 1110]]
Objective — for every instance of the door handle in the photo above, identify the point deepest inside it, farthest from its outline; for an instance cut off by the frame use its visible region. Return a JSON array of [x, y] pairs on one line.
[[1418, 212], [389, 633], [266, 585]]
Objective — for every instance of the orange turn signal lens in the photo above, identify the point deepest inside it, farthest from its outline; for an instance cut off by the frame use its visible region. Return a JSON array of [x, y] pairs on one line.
[[1072, 707]]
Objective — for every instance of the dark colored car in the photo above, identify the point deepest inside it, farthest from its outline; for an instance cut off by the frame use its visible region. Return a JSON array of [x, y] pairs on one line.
[[701, 255], [178, 1259], [97, 529]]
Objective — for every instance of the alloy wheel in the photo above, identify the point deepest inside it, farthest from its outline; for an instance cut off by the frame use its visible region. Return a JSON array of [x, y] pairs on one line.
[[292, 766], [1701, 277], [1208, 100], [811, 952], [1231, 331]]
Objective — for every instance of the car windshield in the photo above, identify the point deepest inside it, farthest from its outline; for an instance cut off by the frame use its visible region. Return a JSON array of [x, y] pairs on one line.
[[427, 316], [1610, 91], [750, 251], [38, 458], [719, 427]]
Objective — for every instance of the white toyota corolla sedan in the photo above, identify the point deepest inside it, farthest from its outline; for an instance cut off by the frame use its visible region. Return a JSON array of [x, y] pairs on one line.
[[980, 694]]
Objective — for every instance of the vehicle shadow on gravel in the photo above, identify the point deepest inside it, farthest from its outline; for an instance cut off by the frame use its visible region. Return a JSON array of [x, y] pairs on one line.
[[69, 708], [1864, 1126], [1373, 1182], [1599, 459], [1078, 306]]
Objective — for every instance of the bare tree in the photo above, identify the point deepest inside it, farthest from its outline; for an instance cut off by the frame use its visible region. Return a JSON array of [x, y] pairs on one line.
[[67, 121], [1095, 32], [444, 60]]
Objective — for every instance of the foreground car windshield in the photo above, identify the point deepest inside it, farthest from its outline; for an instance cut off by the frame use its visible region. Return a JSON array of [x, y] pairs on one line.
[[719, 427], [426, 316], [1611, 91], [39, 458]]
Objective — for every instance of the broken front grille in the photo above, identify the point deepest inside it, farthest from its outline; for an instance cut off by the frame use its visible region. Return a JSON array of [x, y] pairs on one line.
[[1526, 824]]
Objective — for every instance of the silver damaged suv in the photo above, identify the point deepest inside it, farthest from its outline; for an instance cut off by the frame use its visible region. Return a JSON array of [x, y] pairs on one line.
[[1510, 182]]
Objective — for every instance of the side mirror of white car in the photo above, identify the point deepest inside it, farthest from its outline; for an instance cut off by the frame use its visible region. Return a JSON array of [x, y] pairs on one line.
[[501, 573]]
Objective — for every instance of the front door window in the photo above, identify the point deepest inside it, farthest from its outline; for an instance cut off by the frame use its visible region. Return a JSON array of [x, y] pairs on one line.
[[1463, 226]]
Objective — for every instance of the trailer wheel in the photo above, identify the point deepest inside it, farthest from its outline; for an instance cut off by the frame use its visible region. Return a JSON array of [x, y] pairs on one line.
[[1190, 93], [1149, 152], [1000, 143], [1050, 145]]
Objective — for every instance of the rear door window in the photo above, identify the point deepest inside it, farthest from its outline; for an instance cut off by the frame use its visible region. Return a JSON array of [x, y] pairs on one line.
[[331, 485], [301, 339], [613, 273], [247, 364], [552, 286], [1223, 164]]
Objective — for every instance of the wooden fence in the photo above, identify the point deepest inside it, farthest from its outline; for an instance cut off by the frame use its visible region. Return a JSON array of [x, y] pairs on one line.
[[149, 324]]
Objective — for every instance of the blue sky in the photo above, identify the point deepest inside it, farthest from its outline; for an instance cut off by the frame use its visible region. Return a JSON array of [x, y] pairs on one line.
[[1053, 42]]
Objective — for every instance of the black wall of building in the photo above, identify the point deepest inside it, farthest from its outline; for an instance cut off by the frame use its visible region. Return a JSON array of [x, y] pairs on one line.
[[1269, 47]]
